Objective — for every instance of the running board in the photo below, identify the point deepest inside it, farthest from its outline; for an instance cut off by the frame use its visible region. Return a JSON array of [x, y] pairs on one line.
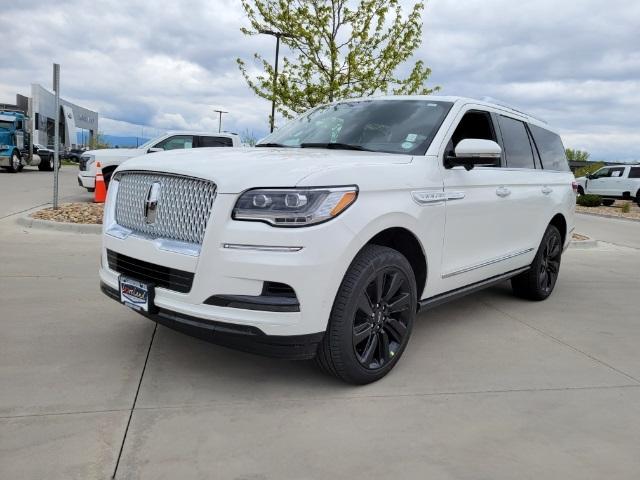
[[462, 291]]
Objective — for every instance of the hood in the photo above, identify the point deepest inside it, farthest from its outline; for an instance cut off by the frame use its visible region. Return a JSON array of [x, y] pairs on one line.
[[237, 169], [116, 152]]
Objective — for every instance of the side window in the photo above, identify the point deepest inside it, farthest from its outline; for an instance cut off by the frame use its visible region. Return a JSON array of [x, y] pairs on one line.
[[616, 172], [176, 143], [516, 143], [550, 149], [216, 142], [634, 172], [474, 124]]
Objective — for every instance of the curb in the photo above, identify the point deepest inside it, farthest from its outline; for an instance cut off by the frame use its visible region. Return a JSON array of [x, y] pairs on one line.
[[30, 222], [583, 244], [603, 215]]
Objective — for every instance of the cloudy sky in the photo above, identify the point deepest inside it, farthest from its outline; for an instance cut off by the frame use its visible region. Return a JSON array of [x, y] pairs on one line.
[[167, 65]]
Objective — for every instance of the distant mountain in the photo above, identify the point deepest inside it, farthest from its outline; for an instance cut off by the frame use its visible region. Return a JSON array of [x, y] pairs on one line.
[[115, 140]]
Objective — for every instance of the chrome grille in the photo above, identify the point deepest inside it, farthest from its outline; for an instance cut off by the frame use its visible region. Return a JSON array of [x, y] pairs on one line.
[[183, 209]]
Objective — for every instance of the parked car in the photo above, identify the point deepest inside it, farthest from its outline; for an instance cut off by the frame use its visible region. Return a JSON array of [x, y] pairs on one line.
[[327, 238], [111, 158], [611, 183], [74, 154]]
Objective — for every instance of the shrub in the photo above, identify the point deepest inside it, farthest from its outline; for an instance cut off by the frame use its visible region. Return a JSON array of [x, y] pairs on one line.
[[589, 200], [626, 208]]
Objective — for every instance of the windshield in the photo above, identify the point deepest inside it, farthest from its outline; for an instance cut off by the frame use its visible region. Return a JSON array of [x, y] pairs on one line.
[[150, 143], [392, 126], [6, 125]]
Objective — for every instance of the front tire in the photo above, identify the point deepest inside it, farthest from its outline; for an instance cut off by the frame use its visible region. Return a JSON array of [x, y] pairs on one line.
[[538, 282], [16, 163], [372, 317]]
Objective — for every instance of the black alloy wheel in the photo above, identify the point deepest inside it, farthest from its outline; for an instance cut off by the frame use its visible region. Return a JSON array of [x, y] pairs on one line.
[[550, 263], [372, 317], [538, 282], [381, 319]]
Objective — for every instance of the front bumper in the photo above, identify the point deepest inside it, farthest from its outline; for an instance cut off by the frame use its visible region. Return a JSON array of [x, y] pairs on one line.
[[5, 160], [227, 284], [239, 337], [86, 180]]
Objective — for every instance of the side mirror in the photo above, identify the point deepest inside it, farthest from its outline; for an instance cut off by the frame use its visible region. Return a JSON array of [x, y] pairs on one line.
[[155, 149], [474, 151], [591, 176]]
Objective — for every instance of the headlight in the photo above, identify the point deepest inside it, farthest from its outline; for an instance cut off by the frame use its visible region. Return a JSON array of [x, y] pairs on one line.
[[294, 207], [4, 147]]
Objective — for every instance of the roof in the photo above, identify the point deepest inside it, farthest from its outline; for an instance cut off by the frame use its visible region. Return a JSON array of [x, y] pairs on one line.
[[192, 132]]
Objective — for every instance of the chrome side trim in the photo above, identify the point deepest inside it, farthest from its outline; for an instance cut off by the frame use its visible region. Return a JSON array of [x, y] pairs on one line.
[[430, 197], [454, 195], [487, 263], [260, 248]]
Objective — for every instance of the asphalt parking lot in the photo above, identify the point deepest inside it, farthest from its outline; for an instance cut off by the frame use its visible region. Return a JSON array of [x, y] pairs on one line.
[[491, 387]]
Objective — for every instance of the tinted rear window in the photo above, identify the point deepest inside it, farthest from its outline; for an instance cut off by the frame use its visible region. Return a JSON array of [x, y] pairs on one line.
[[634, 172], [550, 148], [516, 143], [216, 142]]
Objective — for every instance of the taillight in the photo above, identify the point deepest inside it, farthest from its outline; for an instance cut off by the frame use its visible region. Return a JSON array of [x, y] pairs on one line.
[[574, 185]]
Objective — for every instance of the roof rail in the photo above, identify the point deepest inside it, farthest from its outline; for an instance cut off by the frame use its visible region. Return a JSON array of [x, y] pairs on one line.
[[510, 107]]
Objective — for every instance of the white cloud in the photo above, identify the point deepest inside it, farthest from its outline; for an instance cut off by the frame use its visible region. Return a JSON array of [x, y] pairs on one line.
[[168, 65]]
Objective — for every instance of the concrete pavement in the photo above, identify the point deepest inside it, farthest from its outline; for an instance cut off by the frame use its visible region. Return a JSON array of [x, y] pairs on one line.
[[612, 230], [31, 188], [490, 386]]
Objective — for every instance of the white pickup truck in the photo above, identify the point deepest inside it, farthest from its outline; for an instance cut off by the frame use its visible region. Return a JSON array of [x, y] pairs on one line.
[[112, 158], [613, 182]]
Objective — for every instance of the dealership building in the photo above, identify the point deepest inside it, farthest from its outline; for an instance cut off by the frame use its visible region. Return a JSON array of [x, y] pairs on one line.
[[77, 126]]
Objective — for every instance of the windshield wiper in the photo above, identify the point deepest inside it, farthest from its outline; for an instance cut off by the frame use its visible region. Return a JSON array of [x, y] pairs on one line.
[[268, 144], [332, 145]]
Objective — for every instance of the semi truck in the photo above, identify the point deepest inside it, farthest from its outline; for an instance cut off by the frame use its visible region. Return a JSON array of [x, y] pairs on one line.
[[14, 144]]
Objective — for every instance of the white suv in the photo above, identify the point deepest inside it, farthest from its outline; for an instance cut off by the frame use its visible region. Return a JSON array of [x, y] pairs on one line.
[[327, 238], [112, 158], [614, 182]]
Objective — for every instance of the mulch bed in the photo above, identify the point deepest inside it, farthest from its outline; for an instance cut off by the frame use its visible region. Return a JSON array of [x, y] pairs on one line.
[[614, 210], [73, 213]]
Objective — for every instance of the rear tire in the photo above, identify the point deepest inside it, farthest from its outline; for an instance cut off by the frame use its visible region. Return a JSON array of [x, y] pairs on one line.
[[372, 317], [580, 190], [46, 165], [638, 197], [538, 282], [607, 202]]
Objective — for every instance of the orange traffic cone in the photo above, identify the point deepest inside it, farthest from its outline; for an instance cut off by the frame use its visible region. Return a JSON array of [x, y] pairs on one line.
[[100, 193]]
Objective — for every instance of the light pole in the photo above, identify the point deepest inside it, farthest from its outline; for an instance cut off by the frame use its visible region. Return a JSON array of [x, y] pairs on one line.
[[220, 112], [275, 70], [56, 133]]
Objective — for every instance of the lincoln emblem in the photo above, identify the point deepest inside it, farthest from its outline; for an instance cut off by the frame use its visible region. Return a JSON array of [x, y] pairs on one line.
[[151, 203]]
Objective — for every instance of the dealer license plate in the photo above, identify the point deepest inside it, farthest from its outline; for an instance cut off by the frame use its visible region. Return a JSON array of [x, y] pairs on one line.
[[136, 294]]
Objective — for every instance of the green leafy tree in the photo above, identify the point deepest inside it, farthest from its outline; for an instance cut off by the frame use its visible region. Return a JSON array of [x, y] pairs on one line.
[[97, 141], [589, 169], [577, 155], [340, 49]]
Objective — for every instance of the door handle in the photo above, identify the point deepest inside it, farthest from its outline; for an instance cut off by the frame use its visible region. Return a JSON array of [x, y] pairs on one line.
[[547, 190], [503, 192]]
